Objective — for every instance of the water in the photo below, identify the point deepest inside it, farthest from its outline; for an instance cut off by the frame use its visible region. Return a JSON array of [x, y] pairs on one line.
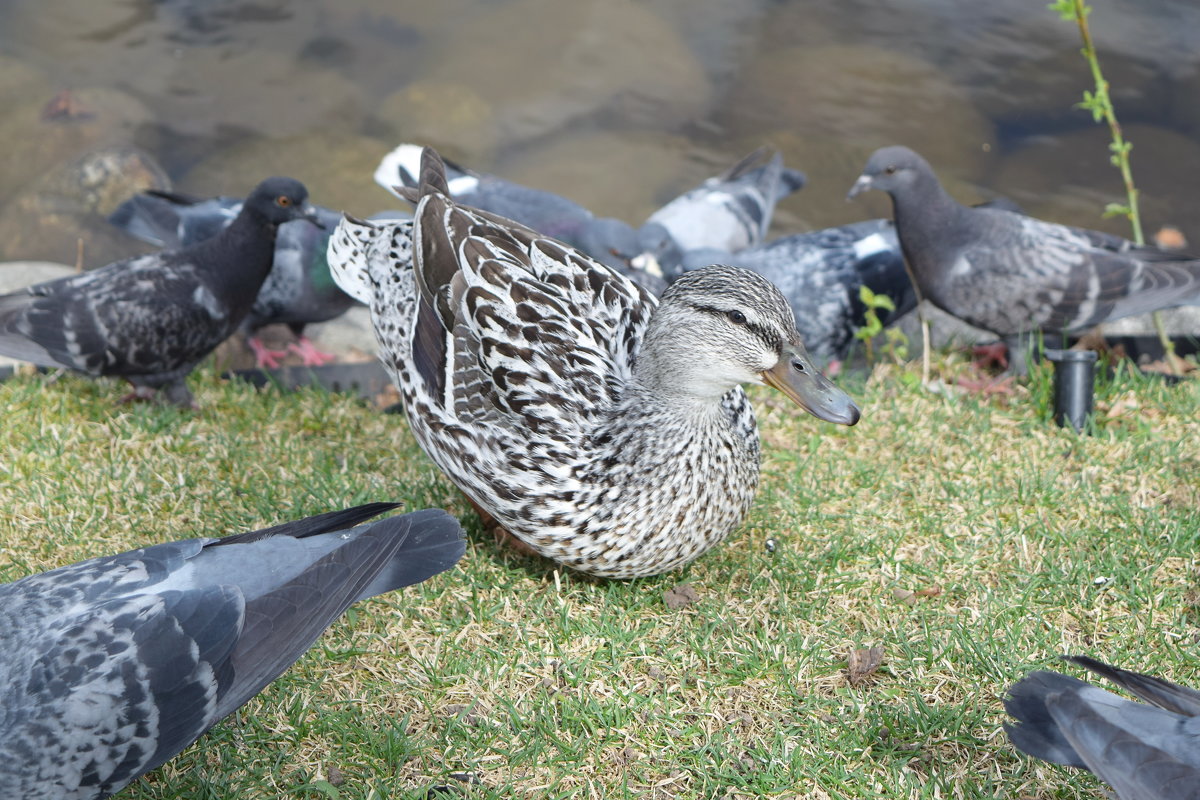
[[616, 103]]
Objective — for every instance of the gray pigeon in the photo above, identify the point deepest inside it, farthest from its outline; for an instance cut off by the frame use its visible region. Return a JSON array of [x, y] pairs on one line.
[[112, 666], [153, 318], [1012, 274], [730, 212], [299, 289], [821, 274], [603, 238], [1144, 752]]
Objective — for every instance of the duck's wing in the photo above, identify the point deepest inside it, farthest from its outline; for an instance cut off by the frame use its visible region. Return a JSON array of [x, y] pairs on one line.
[[516, 324]]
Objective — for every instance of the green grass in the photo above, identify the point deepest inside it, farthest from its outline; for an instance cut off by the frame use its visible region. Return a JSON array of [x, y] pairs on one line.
[[1025, 541]]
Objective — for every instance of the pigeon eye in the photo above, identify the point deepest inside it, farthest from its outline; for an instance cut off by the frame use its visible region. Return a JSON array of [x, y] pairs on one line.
[[890, 169], [283, 200], [737, 317]]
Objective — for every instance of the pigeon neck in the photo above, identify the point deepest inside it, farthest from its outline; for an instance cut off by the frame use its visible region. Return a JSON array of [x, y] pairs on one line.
[[926, 219], [245, 251]]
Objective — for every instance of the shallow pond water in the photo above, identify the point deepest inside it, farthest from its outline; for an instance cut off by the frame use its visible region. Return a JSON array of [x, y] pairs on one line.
[[618, 104]]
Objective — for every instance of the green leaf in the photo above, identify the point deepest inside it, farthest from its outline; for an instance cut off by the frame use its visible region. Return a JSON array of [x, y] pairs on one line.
[[1065, 9], [326, 788], [1117, 210]]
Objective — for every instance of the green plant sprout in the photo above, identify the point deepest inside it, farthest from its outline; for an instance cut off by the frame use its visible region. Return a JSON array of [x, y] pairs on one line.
[[1100, 104], [872, 326]]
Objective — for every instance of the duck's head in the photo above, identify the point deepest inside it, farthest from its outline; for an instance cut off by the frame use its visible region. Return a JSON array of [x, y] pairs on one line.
[[719, 327]]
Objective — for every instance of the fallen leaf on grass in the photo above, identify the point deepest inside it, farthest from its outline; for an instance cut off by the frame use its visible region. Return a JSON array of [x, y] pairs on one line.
[[988, 386], [680, 596], [862, 662], [909, 598], [624, 756], [1163, 368]]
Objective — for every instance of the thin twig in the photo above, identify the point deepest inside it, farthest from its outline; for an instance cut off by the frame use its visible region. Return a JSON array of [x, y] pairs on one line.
[[1100, 104]]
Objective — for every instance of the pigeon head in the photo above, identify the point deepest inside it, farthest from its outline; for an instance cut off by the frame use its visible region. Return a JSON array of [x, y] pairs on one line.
[[610, 241], [891, 170], [280, 200]]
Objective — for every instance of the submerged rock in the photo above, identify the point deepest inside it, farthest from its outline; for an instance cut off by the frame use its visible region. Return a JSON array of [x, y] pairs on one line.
[[450, 117], [269, 93], [563, 62], [335, 167], [862, 97], [41, 135], [611, 173], [65, 211]]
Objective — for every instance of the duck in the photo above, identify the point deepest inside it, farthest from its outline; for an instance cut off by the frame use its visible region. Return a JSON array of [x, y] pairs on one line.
[[605, 429]]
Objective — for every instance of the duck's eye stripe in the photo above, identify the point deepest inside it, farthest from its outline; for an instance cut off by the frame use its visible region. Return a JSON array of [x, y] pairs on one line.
[[769, 340]]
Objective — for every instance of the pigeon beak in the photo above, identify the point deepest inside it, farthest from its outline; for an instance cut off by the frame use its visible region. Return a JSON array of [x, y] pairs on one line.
[[646, 262], [861, 185], [309, 214], [795, 376]]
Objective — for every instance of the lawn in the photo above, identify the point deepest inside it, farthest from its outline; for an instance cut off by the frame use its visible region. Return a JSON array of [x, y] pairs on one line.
[[968, 537]]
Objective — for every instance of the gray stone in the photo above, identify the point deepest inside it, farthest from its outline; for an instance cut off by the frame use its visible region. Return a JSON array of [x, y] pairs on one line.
[[16, 275]]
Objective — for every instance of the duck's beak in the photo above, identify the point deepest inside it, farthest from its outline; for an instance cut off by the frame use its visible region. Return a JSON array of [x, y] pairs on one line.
[[797, 378], [861, 185]]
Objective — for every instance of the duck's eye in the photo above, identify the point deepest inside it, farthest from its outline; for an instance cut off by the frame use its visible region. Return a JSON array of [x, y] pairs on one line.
[[283, 200], [737, 317], [890, 169]]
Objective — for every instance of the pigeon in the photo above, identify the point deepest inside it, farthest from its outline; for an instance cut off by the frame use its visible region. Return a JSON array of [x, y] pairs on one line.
[[604, 238], [152, 318], [112, 666], [1144, 752], [299, 289], [1012, 274], [730, 212], [821, 274]]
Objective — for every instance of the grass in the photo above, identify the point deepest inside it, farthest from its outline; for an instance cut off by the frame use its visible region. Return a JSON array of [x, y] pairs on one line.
[[968, 537]]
